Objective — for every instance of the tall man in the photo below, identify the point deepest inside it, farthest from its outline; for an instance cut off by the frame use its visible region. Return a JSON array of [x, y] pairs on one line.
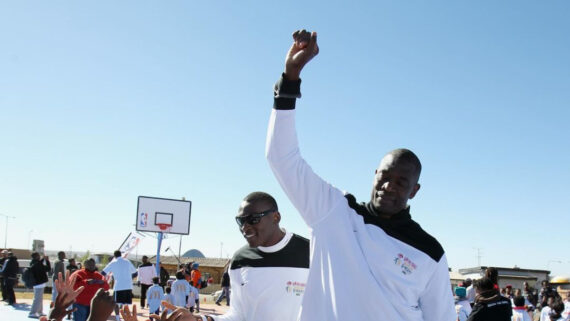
[[369, 261], [146, 272], [39, 268], [269, 273], [123, 272]]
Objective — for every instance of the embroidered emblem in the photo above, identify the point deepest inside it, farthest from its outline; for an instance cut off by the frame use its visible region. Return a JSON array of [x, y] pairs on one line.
[[406, 265], [297, 288]]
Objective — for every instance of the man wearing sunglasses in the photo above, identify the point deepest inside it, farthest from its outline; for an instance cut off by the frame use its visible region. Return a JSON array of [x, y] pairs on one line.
[[268, 275], [400, 270]]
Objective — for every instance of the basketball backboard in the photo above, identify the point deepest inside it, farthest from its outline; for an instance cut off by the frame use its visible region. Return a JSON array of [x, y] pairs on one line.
[[154, 213]]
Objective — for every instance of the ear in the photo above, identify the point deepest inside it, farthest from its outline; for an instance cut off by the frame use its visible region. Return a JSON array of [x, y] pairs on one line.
[[276, 217], [414, 191]]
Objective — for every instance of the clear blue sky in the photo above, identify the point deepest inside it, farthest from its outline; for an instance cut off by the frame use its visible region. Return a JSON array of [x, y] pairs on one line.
[[103, 102]]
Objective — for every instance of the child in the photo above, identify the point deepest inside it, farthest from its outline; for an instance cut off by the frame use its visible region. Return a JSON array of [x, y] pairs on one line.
[[168, 298], [154, 295], [180, 289], [193, 298]]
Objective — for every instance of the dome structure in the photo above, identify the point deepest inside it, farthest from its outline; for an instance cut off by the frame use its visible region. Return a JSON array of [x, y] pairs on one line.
[[193, 253]]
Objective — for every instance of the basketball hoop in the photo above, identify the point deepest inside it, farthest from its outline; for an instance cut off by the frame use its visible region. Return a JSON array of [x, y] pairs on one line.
[[163, 227]]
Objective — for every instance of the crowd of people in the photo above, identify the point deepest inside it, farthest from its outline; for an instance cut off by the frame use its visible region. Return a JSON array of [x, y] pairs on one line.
[[483, 300]]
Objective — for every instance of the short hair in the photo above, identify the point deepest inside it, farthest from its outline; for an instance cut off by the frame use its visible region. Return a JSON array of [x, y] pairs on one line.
[[145, 257], [261, 196], [35, 254], [60, 253], [493, 274], [117, 253], [518, 301], [167, 289], [179, 275], [89, 264], [484, 284], [406, 155], [155, 280]]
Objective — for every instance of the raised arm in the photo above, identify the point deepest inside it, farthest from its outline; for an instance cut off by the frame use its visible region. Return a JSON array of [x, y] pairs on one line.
[[312, 196]]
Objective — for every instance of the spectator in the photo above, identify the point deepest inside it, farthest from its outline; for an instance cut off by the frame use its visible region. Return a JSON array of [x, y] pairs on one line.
[[193, 301], [91, 281], [10, 273], [58, 267], [196, 276], [72, 266], [3, 258], [39, 268], [546, 292], [123, 272], [489, 304], [520, 312], [566, 313], [557, 308], [164, 276], [462, 306], [146, 273], [530, 296], [468, 283], [225, 282]]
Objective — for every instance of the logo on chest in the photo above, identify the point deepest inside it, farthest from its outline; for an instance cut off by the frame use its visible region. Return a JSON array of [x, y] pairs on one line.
[[296, 288], [406, 265]]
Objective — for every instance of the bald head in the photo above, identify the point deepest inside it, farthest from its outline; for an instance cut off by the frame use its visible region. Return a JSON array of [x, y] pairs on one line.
[[406, 156]]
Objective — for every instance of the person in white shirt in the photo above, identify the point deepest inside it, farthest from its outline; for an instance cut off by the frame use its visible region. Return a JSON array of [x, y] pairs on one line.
[[400, 271], [146, 272], [270, 272], [180, 290], [123, 272], [461, 301], [520, 312], [154, 295]]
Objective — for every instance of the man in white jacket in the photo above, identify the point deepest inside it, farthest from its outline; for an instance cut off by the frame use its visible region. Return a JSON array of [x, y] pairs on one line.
[[399, 270], [269, 274]]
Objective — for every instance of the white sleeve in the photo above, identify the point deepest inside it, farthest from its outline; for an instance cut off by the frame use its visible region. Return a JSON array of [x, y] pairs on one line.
[[312, 196], [235, 313], [132, 268], [109, 268], [436, 301]]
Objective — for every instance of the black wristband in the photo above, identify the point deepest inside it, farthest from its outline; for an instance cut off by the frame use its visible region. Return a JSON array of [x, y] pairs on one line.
[[285, 92]]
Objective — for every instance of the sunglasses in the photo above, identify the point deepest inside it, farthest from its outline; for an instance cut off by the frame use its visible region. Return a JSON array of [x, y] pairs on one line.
[[252, 219]]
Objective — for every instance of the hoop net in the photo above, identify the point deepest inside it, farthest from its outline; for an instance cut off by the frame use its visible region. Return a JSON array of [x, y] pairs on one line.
[[164, 227]]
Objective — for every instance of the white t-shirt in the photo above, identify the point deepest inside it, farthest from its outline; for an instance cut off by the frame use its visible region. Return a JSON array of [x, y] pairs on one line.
[[122, 270], [180, 289], [520, 315], [154, 295]]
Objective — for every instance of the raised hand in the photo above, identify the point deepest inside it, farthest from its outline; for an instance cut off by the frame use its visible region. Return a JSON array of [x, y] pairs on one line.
[[102, 305], [127, 315], [179, 314], [304, 48], [65, 296]]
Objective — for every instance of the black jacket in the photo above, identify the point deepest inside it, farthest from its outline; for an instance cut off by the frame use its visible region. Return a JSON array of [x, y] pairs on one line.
[[39, 269], [12, 266], [491, 308], [226, 279]]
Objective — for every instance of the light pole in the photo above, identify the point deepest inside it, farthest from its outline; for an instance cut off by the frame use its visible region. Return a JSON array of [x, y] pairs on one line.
[[6, 235]]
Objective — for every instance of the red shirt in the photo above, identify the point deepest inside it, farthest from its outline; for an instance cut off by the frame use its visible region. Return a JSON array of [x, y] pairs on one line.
[[84, 298]]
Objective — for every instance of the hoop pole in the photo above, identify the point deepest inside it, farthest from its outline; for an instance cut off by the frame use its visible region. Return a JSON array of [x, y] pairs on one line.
[[158, 254]]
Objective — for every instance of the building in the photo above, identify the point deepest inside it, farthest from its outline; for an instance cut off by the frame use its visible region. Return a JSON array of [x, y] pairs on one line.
[[513, 276]]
